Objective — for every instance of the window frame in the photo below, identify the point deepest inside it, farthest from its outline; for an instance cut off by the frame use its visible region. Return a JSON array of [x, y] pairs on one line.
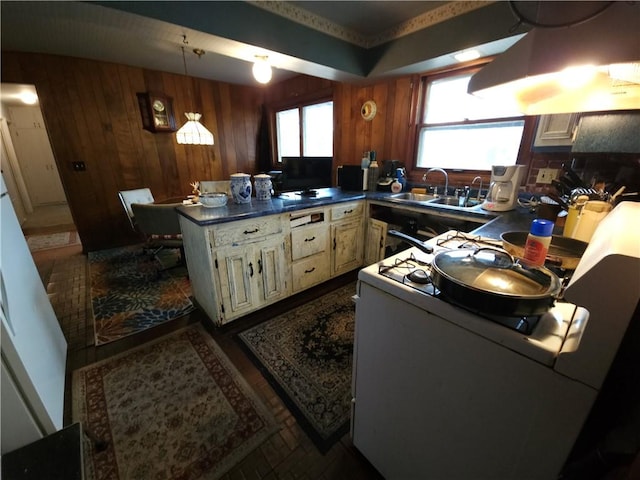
[[421, 105], [299, 104]]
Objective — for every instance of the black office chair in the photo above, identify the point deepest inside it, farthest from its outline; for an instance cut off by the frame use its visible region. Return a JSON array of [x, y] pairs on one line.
[[160, 226]]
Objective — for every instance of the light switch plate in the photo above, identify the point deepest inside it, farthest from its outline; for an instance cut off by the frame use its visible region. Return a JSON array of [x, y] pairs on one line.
[[545, 175]]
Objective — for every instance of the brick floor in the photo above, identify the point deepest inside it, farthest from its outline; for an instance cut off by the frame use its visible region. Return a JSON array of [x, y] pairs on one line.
[[288, 454]]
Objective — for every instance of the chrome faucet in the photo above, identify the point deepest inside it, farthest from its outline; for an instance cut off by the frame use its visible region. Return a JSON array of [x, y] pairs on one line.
[[446, 180], [479, 189]]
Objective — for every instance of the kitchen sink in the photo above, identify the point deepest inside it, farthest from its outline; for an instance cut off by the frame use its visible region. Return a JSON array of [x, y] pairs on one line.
[[414, 197], [454, 202]]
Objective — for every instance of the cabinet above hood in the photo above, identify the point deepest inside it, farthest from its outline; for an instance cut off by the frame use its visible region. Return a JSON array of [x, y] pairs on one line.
[[582, 66]]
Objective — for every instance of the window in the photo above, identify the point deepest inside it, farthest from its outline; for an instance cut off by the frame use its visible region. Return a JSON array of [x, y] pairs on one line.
[[306, 130], [460, 131]]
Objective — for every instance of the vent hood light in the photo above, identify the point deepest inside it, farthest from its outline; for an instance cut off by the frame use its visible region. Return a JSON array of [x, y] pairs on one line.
[[602, 55], [467, 55]]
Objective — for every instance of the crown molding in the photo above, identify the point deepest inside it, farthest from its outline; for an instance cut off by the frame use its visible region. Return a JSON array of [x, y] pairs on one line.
[[321, 24]]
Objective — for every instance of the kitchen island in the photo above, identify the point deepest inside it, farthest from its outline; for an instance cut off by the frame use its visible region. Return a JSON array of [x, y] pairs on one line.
[[242, 257]]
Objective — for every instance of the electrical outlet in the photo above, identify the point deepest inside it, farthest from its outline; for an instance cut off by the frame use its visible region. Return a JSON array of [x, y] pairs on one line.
[[545, 175], [78, 166]]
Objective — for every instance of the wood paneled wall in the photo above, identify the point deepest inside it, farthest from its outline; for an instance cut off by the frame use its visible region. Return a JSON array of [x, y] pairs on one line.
[[92, 115]]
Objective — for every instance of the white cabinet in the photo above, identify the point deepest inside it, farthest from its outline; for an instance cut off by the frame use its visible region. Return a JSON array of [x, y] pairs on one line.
[[374, 245], [237, 267], [309, 248], [556, 130], [346, 237], [251, 276], [35, 156], [240, 266]]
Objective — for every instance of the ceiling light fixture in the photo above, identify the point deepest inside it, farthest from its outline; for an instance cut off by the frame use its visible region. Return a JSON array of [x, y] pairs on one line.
[[262, 69], [29, 98], [193, 132], [532, 73]]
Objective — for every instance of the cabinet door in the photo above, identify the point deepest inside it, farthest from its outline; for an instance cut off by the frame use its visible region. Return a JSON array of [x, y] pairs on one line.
[[556, 130], [272, 272], [374, 243], [346, 244], [236, 270]]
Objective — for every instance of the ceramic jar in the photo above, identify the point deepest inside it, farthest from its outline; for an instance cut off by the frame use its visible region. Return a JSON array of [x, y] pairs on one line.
[[241, 187], [263, 186]]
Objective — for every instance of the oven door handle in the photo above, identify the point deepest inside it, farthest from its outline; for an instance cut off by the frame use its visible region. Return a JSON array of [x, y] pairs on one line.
[[411, 241]]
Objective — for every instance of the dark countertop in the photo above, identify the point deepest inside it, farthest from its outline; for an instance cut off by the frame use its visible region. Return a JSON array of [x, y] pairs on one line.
[[519, 219], [287, 202]]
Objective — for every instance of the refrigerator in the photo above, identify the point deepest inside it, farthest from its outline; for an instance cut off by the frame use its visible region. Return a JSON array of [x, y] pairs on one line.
[[32, 344]]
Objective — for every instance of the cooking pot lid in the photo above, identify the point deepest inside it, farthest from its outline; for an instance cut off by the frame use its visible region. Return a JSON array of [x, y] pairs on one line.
[[495, 271]]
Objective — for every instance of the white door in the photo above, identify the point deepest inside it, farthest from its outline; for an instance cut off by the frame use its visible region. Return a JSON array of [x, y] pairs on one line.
[[32, 341], [35, 156]]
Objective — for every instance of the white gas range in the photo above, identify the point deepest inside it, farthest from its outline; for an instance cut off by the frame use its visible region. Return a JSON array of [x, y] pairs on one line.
[[443, 392]]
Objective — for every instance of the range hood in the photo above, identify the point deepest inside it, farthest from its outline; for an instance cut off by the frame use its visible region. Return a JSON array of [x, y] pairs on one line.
[[604, 52]]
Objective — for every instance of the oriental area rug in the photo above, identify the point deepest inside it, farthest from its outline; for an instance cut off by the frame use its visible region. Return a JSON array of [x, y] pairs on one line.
[[131, 291], [307, 354], [52, 240], [174, 408]]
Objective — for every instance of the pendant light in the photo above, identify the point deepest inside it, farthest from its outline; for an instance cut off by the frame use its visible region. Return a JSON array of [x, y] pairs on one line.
[[262, 69], [193, 132]]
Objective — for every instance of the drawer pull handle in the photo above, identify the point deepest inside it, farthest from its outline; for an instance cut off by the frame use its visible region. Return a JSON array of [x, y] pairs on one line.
[[309, 271], [309, 239], [247, 232], [259, 266], [250, 269], [334, 243], [347, 211]]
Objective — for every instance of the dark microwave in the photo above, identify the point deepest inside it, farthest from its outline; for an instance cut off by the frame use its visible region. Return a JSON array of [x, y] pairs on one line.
[[352, 178]]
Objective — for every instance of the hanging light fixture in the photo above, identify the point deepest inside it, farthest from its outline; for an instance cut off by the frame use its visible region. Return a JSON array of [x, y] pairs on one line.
[[193, 132], [262, 69]]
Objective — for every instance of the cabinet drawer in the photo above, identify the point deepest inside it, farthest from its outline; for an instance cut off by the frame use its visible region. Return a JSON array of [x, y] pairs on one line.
[[307, 241], [310, 271], [346, 210], [246, 231]]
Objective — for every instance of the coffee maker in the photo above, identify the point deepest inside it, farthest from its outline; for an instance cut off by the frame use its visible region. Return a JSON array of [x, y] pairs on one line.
[[388, 174], [503, 190]]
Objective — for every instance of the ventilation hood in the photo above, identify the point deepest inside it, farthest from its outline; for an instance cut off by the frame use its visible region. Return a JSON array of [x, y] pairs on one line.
[[590, 66]]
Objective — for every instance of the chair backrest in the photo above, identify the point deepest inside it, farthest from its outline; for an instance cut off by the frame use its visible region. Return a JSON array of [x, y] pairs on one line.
[[139, 195], [157, 219], [209, 186]]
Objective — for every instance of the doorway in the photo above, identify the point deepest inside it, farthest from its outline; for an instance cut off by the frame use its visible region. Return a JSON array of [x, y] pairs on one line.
[[30, 171]]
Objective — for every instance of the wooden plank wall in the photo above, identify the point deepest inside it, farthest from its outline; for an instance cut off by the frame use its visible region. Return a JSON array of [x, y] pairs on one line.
[[92, 115], [387, 133]]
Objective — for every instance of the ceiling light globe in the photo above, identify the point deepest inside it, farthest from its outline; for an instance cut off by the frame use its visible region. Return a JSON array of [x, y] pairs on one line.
[[262, 70]]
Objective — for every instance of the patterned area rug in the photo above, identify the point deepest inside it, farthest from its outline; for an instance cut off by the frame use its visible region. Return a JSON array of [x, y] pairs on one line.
[[52, 240], [175, 408], [306, 354], [131, 293]]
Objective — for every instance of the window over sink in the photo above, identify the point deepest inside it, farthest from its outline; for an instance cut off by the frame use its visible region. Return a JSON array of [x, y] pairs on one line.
[[459, 131]]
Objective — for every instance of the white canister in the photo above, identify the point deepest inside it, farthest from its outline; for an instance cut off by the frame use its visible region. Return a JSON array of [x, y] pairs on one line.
[[241, 187], [263, 186], [590, 216]]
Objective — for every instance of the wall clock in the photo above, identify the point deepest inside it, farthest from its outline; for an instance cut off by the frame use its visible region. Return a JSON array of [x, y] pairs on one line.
[[368, 110], [156, 110]]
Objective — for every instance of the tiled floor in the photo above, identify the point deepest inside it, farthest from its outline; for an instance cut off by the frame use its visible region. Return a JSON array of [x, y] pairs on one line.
[[288, 454]]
